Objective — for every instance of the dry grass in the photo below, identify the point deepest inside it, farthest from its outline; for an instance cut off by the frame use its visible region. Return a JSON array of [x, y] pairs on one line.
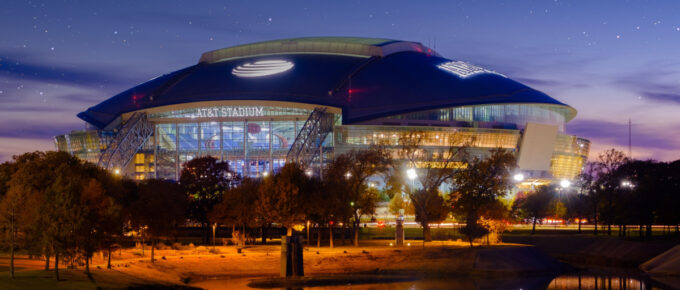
[[191, 265]]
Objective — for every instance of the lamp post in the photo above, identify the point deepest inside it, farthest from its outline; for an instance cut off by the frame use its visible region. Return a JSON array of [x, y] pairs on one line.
[[519, 177], [411, 174], [565, 183], [214, 227]]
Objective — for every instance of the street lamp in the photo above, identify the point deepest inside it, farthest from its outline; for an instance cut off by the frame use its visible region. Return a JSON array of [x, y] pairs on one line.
[[214, 227], [519, 177], [565, 183], [411, 173], [116, 171], [348, 175], [626, 183], [265, 174]]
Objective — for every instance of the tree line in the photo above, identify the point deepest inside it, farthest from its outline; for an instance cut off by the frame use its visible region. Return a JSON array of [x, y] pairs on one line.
[[613, 191], [60, 208], [55, 206]]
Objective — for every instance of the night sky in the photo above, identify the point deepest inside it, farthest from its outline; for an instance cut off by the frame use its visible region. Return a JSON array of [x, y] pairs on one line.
[[611, 60]]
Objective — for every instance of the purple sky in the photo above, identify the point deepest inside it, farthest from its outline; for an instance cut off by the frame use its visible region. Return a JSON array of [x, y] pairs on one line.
[[611, 60]]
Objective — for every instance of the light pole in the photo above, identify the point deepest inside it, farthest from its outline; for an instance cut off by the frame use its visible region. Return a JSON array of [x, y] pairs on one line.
[[214, 227], [519, 177], [411, 174], [565, 183]]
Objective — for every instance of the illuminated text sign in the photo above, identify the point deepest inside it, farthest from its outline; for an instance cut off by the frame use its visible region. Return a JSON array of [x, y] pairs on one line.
[[223, 112]]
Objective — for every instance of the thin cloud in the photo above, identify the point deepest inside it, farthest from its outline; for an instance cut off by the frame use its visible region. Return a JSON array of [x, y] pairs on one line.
[[35, 130], [617, 133], [655, 82], [83, 77]]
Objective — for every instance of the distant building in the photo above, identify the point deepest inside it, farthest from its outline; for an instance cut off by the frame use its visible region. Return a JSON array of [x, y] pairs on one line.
[[259, 105]]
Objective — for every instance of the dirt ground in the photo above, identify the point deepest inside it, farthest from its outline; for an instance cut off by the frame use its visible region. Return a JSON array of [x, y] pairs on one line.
[[197, 266]]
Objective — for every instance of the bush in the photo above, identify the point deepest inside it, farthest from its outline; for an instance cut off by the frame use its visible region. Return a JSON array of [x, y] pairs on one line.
[[473, 231]]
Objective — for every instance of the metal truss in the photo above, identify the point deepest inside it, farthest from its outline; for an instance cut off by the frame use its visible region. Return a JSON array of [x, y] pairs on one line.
[[130, 138], [310, 139]]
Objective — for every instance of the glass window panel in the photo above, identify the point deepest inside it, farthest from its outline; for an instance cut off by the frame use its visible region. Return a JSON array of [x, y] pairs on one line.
[[210, 139], [166, 151]]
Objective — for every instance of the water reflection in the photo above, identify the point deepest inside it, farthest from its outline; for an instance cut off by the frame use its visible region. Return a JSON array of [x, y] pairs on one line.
[[603, 282], [574, 281]]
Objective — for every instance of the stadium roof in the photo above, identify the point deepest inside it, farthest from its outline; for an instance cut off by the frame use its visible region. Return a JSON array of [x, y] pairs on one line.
[[368, 78]]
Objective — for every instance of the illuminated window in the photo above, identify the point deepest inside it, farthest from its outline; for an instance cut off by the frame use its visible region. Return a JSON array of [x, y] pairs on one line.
[[464, 69], [139, 158], [139, 168]]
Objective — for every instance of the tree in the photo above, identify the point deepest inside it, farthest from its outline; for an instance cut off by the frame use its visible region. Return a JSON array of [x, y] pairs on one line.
[[10, 215], [536, 206], [434, 168], [429, 207], [399, 203], [35, 176], [204, 180], [98, 210], [332, 194], [671, 199], [351, 172], [482, 182], [6, 170], [159, 209], [63, 215], [239, 207], [284, 196], [577, 208], [640, 192], [494, 219], [588, 186], [607, 183]]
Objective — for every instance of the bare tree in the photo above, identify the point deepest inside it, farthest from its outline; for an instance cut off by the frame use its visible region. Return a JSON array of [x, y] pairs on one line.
[[607, 183], [430, 168]]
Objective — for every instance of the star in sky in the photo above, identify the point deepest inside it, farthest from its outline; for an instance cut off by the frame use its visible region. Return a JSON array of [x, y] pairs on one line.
[[609, 60]]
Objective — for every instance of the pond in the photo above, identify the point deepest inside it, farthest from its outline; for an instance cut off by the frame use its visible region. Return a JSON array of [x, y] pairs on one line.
[[571, 281]]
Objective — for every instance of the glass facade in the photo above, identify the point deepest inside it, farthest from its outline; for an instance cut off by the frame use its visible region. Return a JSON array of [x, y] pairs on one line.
[[503, 116], [86, 145], [569, 157], [255, 139]]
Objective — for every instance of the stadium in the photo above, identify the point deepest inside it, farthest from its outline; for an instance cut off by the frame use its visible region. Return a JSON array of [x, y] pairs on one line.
[[303, 100]]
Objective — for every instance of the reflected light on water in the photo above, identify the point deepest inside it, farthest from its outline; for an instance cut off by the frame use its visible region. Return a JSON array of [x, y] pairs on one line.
[[596, 282]]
